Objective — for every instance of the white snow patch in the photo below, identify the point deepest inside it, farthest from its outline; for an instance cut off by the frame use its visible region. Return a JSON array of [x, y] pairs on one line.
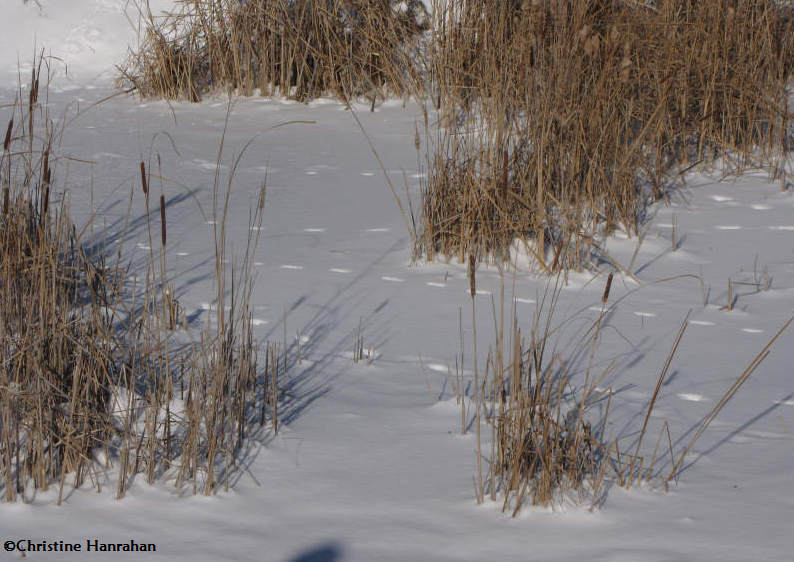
[[692, 397]]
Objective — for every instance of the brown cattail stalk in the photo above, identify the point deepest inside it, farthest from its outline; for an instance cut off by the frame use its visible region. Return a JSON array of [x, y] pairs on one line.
[[505, 164], [7, 141], [472, 280], [162, 219], [605, 296], [144, 183]]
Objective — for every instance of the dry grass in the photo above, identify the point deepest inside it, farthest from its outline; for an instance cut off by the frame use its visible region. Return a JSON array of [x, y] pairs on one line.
[[545, 441], [547, 446], [95, 371], [561, 117], [301, 48]]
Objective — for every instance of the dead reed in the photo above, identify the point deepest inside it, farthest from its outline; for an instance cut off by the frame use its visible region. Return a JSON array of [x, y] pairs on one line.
[[302, 49], [548, 432], [560, 118], [94, 381], [547, 446]]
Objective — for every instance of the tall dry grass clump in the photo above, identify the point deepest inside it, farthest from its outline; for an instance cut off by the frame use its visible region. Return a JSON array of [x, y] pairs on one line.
[[541, 414], [543, 438], [560, 117], [57, 340], [99, 375], [301, 48]]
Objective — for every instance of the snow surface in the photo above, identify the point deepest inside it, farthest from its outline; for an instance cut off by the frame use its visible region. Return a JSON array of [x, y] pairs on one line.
[[370, 464]]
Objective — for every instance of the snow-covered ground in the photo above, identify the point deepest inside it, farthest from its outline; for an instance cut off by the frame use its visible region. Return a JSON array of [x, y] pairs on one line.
[[370, 464]]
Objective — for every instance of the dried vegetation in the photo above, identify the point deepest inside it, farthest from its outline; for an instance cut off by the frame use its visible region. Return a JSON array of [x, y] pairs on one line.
[[99, 377], [302, 49], [562, 118]]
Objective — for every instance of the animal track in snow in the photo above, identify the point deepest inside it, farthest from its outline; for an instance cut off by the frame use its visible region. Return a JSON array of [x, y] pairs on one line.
[[721, 198], [368, 174], [392, 279], [752, 330], [438, 367], [702, 323], [339, 270], [785, 402], [479, 292], [525, 301], [311, 172], [784, 227], [645, 314], [692, 397], [728, 227], [143, 246], [761, 207], [206, 164], [377, 230], [258, 322], [314, 230], [182, 254], [290, 266], [436, 284]]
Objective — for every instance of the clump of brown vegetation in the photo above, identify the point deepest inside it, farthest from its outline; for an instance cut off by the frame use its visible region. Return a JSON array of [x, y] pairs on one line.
[[301, 48], [561, 117], [546, 441], [92, 373], [542, 441]]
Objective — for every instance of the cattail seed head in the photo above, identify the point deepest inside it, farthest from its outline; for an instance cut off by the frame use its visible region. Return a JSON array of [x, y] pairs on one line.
[[46, 167], [45, 203], [472, 279], [162, 219], [144, 185], [7, 141], [504, 174], [605, 297]]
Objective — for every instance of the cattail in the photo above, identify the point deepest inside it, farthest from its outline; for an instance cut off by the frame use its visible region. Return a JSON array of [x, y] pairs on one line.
[[32, 94], [45, 179], [504, 176], [472, 280], [605, 297], [143, 180], [262, 194], [7, 142], [45, 203], [162, 219], [46, 167]]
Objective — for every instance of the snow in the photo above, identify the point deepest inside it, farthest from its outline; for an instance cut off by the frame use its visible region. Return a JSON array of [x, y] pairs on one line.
[[370, 464]]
